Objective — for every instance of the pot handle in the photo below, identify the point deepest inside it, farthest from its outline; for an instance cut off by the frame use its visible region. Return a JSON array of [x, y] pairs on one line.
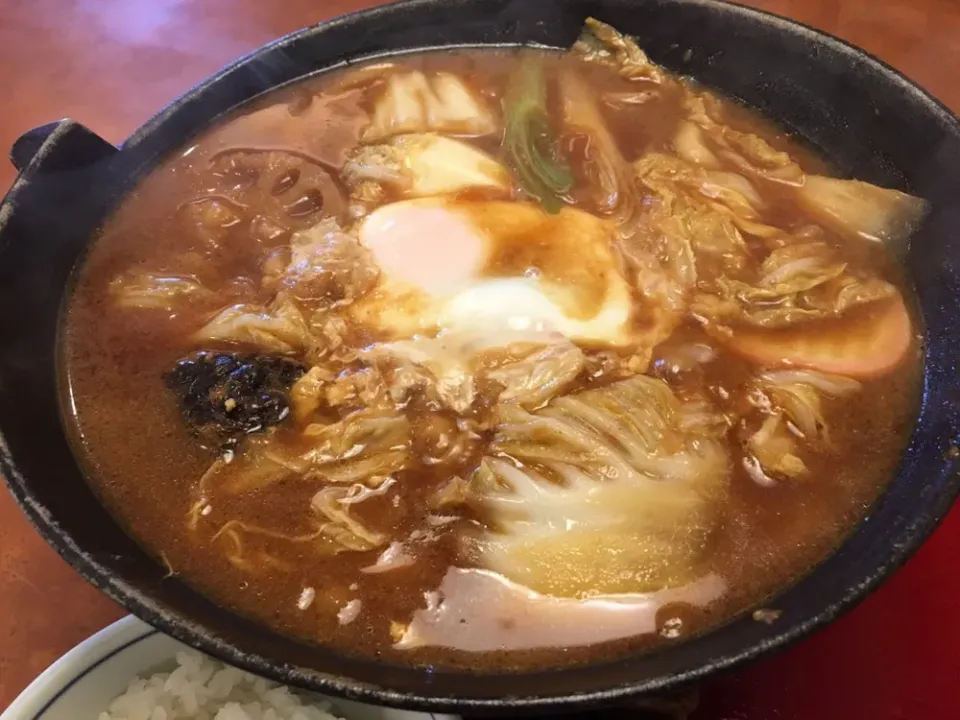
[[61, 145]]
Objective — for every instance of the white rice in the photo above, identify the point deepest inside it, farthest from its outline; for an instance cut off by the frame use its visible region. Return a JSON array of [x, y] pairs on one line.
[[200, 688]]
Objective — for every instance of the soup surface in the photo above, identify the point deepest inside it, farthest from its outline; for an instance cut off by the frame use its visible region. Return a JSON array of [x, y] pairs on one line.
[[493, 358]]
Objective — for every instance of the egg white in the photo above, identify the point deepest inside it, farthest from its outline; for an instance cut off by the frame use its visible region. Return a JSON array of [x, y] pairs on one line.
[[434, 257]]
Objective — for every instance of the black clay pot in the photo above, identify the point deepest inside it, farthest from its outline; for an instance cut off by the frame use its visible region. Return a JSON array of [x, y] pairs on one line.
[[869, 120]]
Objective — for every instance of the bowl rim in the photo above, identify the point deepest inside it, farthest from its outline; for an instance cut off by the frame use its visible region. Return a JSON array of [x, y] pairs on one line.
[[95, 572], [81, 662], [74, 666]]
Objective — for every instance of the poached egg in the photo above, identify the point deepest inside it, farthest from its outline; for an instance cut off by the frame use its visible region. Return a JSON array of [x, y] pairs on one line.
[[449, 264]]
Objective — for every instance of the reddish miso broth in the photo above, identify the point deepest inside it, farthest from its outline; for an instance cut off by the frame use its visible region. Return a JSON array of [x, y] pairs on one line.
[[494, 359]]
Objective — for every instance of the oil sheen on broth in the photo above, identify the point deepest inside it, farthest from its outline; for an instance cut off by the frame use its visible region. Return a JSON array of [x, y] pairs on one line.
[[462, 358]]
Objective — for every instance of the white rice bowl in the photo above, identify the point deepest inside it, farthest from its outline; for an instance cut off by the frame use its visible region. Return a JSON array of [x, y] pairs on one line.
[[130, 670], [201, 688]]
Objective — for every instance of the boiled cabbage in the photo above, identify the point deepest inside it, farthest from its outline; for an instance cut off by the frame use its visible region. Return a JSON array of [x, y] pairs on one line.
[[539, 373], [772, 453], [441, 367], [262, 463], [705, 139], [423, 165], [856, 208], [747, 152], [279, 328], [328, 268], [798, 395], [602, 44], [332, 529], [791, 404], [610, 182], [691, 227], [366, 446], [796, 283], [330, 393], [159, 291], [690, 144], [339, 525], [415, 103], [528, 368], [668, 176], [613, 490], [348, 461], [307, 394]]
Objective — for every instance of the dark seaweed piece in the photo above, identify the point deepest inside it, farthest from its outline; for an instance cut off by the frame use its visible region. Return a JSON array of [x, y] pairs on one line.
[[224, 396]]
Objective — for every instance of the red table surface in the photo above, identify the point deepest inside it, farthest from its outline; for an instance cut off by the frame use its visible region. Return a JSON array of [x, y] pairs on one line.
[[111, 63]]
